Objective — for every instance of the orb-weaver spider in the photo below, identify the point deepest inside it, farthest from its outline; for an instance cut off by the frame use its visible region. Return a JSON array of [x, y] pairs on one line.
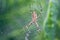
[[34, 20]]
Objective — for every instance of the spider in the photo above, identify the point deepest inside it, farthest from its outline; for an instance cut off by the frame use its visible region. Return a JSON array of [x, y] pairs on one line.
[[34, 20]]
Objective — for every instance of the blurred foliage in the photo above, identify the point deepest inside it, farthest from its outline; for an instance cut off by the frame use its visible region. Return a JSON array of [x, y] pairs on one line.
[[16, 14]]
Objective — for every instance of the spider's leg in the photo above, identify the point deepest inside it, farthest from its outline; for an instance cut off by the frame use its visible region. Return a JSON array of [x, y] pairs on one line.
[[29, 24], [38, 29], [36, 24], [27, 27]]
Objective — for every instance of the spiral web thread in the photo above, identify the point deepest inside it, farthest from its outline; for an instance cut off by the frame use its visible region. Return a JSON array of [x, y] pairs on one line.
[[33, 7]]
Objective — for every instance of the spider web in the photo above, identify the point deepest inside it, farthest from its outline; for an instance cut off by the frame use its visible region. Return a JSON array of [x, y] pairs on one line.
[[39, 12], [41, 16]]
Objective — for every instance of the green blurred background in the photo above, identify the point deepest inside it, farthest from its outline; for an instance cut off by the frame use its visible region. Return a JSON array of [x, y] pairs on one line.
[[16, 14]]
